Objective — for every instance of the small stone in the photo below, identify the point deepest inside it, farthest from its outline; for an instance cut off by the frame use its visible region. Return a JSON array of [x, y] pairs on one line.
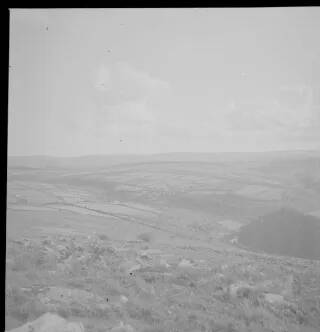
[[185, 263], [50, 323], [123, 328], [274, 298], [124, 299]]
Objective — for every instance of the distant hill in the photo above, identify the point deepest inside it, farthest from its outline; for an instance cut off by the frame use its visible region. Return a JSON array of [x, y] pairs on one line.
[[101, 161], [285, 232]]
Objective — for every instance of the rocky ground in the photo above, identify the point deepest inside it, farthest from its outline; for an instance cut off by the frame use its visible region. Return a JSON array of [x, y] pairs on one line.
[[140, 286]]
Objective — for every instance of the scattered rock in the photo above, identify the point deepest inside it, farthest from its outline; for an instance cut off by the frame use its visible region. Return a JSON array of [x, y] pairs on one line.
[[123, 328], [124, 299], [47, 242], [147, 253], [291, 287], [50, 323], [164, 263], [67, 297], [129, 267], [234, 241], [241, 290], [185, 263], [274, 298], [224, 267], [134, 268], [63, 251]]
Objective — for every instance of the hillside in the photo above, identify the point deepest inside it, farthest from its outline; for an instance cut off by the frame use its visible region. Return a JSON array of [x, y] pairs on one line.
[[149, 241]]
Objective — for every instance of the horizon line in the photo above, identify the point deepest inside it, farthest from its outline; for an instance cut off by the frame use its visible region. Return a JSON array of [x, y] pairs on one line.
[[159, 153]]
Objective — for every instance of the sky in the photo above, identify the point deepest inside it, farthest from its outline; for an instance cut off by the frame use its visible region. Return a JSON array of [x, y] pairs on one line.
[[118, 81]]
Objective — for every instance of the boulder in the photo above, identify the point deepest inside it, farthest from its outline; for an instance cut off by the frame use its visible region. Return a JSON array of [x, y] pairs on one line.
[[274, 298], [123, 328], [50, 323], [241, 290], [124, 299], [185, 263], [164, 263], [129, 267]]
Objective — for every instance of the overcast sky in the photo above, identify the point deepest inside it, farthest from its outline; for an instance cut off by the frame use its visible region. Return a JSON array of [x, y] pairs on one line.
[[91, 81]]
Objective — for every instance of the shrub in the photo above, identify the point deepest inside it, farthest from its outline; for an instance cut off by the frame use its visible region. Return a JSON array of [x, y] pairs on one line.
[[21, 263], [221, 327], [63, 312], [141, 313], [103, 237], [146, 237]]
